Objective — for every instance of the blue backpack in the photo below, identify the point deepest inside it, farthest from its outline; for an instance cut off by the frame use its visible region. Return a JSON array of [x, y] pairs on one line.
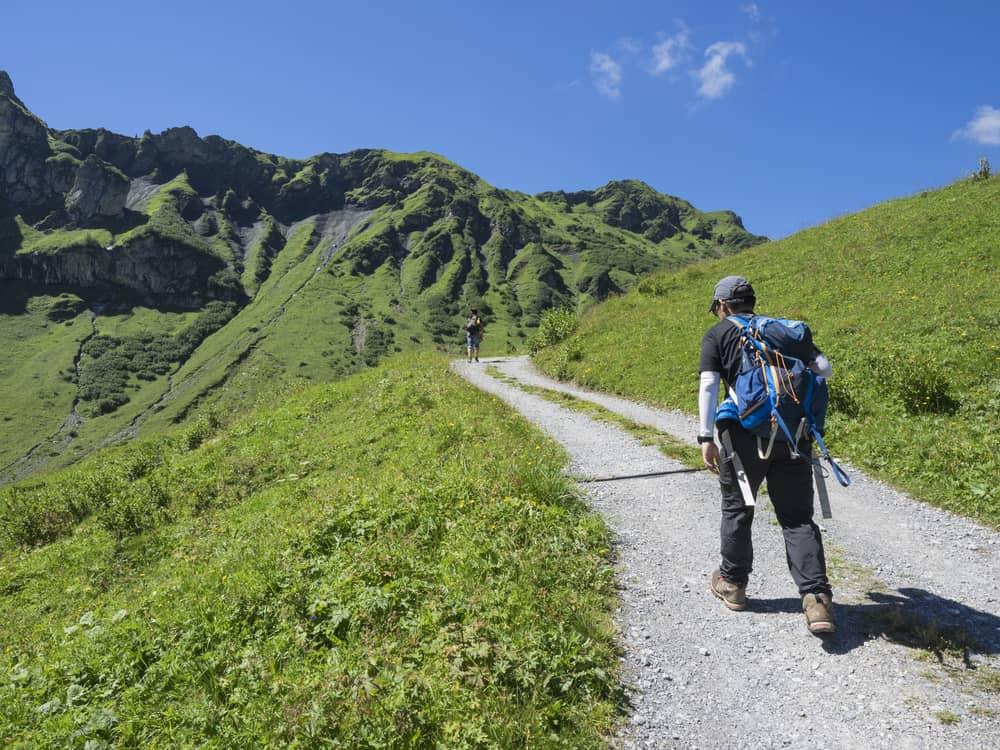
[[776, 396]]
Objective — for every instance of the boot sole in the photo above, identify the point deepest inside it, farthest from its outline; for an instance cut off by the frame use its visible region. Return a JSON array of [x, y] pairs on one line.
[[822, 628], [729, 604]]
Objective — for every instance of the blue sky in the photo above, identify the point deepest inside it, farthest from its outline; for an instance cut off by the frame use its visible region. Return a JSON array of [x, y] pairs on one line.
[[789, 113]]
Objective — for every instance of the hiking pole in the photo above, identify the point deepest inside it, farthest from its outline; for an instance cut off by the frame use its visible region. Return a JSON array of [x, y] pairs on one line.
[[824, 496], [741, 476], [591, 480]]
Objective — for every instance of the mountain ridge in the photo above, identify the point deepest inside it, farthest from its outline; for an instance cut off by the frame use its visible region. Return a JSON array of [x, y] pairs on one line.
[[303, 269]]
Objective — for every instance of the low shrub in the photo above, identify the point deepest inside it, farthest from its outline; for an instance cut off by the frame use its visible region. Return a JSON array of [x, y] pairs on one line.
[[555, 325], [108, 362]]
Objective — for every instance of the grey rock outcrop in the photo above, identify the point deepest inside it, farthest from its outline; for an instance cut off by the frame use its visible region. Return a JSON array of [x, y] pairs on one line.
[[98, 190], [150, 268], [24, 149], [6, 85]]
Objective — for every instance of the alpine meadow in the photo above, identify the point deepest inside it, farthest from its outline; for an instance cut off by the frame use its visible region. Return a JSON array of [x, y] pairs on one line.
[[257, 489], [902, 297]]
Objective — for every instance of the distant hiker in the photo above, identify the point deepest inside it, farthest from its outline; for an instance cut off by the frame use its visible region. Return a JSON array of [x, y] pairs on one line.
[[745, 462], [474, 334]]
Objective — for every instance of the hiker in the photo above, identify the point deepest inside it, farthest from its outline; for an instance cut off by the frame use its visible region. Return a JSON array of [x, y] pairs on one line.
[[789, 478], [473, 334]]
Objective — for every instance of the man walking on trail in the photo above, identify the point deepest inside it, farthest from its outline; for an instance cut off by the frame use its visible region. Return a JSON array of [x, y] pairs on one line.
[[473, 334], [789, 478]]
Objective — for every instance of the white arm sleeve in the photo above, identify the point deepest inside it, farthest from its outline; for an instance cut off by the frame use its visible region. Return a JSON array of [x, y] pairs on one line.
[[821, 366], [708, 401]]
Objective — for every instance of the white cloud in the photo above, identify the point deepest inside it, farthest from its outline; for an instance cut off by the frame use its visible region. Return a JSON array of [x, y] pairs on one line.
[[671, 52], [753, 12], [714, 78], [606, 73], [983, 128], [629, 46]]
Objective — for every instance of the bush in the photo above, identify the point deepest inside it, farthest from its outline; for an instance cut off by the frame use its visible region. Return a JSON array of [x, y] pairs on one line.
[[134, 508], [36, 514], [554, 326], [200, 431], [919, 384], [108, 362], [33, 515], [983, 172]]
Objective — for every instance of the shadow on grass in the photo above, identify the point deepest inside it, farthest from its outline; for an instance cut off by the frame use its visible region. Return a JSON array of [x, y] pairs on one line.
[[912, 617], [14, 297]]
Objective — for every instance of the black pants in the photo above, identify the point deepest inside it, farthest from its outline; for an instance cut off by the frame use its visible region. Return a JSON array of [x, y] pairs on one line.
[[790, 485]]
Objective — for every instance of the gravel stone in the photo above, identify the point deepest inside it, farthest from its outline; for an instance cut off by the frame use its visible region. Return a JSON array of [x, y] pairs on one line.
[[706, 677]]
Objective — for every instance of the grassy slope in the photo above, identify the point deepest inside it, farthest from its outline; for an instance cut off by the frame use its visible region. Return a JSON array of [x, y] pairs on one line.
[[390, 561], [35, 394], [95, 430], [439, 242], [260, 326], [41, 366], [904, 299]]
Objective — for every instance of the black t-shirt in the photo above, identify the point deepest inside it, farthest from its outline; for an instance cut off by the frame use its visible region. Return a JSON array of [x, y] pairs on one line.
[[721, 352]]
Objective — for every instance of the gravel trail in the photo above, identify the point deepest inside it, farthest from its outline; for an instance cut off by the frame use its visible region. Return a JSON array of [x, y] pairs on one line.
[[705, 677]]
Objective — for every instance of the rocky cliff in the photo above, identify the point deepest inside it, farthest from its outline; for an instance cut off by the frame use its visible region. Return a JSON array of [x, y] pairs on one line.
[[53, 184]]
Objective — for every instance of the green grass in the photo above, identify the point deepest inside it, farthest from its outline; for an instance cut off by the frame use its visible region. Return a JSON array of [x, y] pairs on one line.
[[112, 364], [236, 345], [42, 367], [260, 254], [33, 241], [987, 679], [509, 254], [36, 373], [902, 297], [390, 561]]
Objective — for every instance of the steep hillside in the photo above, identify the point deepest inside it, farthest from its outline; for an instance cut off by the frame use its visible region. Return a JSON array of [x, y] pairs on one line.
[[312, 576], [158, 274], [904, 299]]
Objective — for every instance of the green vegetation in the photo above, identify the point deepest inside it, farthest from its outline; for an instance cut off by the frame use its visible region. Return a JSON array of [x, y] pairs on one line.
[[988, 679], [456, 243], [903, 299], [107, 363], [947, 717], [554, 326], [50, 243], [258, 263], [167, 210], [37, 372], [387, 561], [17, 237]]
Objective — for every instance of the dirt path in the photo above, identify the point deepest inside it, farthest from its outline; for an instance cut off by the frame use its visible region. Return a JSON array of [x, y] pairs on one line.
[[703, 677]]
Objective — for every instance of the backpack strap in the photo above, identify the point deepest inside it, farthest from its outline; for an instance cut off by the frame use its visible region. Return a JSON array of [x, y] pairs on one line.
[[838, 473]]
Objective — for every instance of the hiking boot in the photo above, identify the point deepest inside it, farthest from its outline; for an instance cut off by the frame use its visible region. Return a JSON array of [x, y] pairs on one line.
[[819, 613], [733, 595]]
